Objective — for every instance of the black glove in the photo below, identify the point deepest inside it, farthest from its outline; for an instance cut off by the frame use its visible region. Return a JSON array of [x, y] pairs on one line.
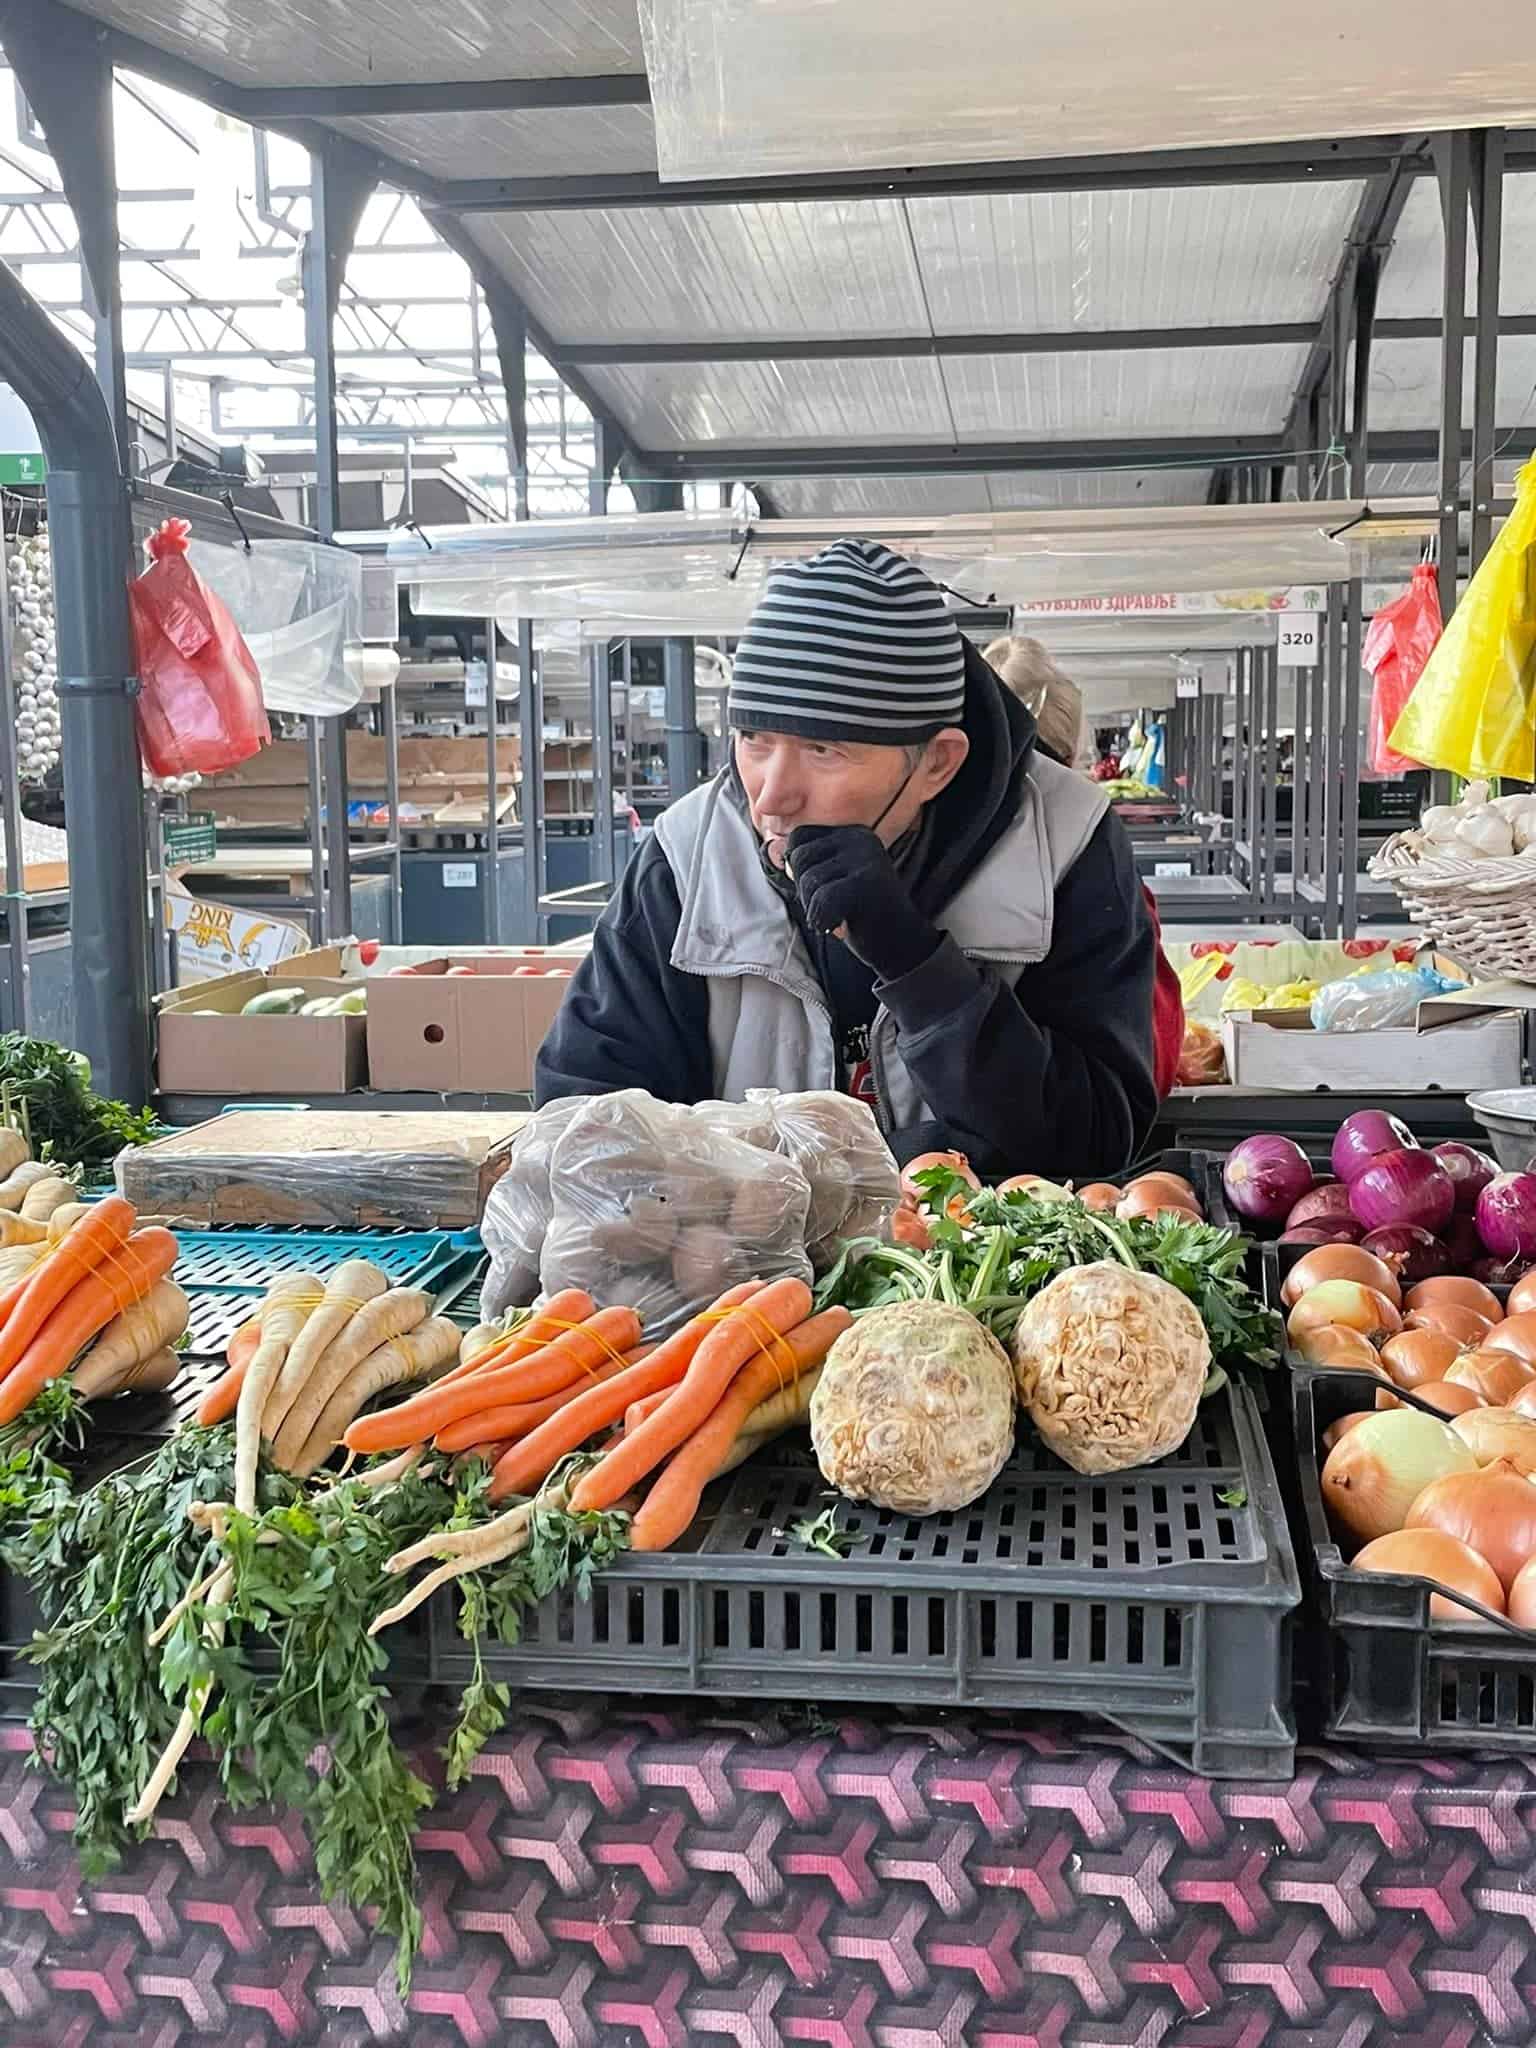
[[849, 888]]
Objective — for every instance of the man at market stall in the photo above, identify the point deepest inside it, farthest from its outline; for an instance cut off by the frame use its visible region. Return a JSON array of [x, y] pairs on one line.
[[889, 891]]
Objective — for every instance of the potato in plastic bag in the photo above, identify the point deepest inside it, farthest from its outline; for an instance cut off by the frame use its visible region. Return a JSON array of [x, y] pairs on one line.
[[656, 1210], [836, 1143], [518, 1208]]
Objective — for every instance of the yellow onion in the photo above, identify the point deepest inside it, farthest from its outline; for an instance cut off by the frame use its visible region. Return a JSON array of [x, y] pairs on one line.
[[1373, 1476], [1499, 1435], [1345, 1424], [1099, 1194], [1497, 1375], [1146, 1200], [1440, 1395], [1339, 1349], [1339, 1262], [1493, 1509], [1522, 1597], [1347, 1305], [1464, 1325], [1415, 1357], [1456, 1287], [1444, 1561], [1517, 1335]]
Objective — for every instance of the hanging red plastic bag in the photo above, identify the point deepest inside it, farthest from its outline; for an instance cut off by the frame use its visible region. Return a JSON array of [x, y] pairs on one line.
[[1399, 641], [199, 703]]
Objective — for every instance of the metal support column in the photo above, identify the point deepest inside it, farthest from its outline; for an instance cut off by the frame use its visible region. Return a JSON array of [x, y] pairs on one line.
[[602, 762], [530, 724], [1349, 765], [20, 1014], [314, 762], [685, 743], [389, 726], [1453, 166], [341, 180], [1330, 760], [492, 863], [1487, 196]]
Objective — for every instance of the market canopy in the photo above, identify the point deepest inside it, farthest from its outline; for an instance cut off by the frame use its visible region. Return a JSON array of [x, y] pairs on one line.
[[998, 335]]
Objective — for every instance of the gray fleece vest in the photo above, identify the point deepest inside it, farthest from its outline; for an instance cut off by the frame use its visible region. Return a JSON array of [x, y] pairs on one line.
[[769, 1024]]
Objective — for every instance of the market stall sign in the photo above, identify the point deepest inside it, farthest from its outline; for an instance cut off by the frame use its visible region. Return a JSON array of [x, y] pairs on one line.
[[1158, 604], [189, 839], [23, 469], [1296, 643]]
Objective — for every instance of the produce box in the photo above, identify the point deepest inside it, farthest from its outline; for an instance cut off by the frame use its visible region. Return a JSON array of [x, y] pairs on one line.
[[1394, 1674], [362, 1169], [205, 1046], [1279, 1049], [464, 1021]]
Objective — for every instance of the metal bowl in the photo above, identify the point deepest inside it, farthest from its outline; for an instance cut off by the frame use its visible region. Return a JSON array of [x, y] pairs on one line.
[[1508, 1115]]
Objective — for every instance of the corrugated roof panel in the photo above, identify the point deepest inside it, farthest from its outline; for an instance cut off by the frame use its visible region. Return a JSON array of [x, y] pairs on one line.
[[1411, 277], [1029, 490], [546, 142], [370, 42], [1422, 479], [879, 497], [1405, 384], [1117, 392], [680, 405], [675, 273], [1053, 261]]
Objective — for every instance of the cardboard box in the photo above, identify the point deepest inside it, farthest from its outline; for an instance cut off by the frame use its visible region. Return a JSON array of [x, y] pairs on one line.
[[1279, 1049], [214, 940], [478, 1032], [229, 1054]]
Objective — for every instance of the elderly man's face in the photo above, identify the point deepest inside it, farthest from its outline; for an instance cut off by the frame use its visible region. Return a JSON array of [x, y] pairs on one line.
[[791, 781]]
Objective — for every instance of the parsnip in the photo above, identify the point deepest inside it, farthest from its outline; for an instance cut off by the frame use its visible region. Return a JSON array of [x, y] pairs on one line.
[[131, 1339], [289, 1305], [18, 1260], [348, 1291], [15, 1229], [44, 1196], [151, 1375], [428, 1348], [14, 1149], [63, 1218], [394, 1314], [13, 1188], [788, 1409]]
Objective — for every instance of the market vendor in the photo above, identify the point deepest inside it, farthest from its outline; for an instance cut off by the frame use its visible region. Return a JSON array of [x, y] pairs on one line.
[[890, 890]]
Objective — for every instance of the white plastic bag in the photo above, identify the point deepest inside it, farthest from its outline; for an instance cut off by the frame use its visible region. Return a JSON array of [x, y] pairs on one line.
[[517, 1211], [837, 1145]]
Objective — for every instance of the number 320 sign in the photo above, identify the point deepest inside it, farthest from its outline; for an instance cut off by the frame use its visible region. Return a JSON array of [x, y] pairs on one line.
[[1296, 639]]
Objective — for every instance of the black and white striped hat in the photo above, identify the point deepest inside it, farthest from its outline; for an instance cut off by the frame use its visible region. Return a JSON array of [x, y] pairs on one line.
[[854, 644]]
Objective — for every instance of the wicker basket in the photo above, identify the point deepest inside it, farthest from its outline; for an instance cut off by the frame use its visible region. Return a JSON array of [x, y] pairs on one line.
[[1481, 912]]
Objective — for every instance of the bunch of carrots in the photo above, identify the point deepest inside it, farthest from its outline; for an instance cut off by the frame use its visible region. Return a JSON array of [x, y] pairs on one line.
[[98, 1298], [574, 1375]]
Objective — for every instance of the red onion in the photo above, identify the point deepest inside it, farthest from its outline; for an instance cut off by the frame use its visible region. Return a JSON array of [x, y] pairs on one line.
[[1506, 1216], [1470, 1170], [1412, 1253], [1363, 1137], [1403, 1187], [1322, 1233], [1328, 1203], [1461, 1241], [1266, 1176], [1499, 1272]]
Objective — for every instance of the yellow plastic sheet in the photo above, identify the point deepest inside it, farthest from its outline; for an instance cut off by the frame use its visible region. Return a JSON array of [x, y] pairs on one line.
[[1473, 710]]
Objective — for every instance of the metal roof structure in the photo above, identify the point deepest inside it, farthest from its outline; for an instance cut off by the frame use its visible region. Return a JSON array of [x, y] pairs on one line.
[[951, 337]]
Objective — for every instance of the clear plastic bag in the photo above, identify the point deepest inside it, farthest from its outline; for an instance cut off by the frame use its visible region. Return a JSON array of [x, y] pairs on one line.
[[300, 607], [518, 1209], [655, 1209], [1375, 1002], [837, 1145], [199, 707]]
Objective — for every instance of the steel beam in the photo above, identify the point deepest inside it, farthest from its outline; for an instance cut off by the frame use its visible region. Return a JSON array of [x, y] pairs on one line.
[[1487, 196], [884, 458], [265, 104], [1256, 164], [1453, 158]]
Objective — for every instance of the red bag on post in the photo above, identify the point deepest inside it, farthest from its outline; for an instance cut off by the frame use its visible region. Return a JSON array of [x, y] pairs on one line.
[[199, 703], [1398, 642]]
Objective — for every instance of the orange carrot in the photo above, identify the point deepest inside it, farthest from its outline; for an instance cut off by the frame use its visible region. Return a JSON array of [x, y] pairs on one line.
[[219, 1403], [637, 1411], [557, 1314], [759, 1326], [104, 1292], [673, 1499], [87, 1244], [563, 1362], [515, 1418], [531, 1460]]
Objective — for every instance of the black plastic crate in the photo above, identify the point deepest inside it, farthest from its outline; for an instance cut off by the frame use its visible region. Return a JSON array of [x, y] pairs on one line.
[[1158, 1599], [1393, 1674]]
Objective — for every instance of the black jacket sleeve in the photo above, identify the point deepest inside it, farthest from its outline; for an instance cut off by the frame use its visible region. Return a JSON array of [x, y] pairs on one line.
[[1052, 1076], [631, 1019]]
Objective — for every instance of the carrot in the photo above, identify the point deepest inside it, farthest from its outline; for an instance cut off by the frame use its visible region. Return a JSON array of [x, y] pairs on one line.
[[507, 1347], [757, 1327], [130, 1273], [515, 1419], [218, 1404], [673, 1500], [350, 1288], [92, 1240], [430, 1344], [392, 1314], [141, 1330], [637, 1411], [535, 1457], [563, 1362]]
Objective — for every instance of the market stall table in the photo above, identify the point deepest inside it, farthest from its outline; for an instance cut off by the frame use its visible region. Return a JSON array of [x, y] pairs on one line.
[[620, 1873]]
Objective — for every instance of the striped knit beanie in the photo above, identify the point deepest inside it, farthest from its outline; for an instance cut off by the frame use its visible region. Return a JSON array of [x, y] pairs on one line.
[[854, 644]]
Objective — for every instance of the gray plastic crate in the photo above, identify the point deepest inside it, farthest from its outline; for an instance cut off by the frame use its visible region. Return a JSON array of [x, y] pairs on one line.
[[1146, 1599]]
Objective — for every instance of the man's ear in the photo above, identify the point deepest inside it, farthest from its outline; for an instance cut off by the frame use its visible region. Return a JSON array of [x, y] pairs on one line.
[[945, 757]]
